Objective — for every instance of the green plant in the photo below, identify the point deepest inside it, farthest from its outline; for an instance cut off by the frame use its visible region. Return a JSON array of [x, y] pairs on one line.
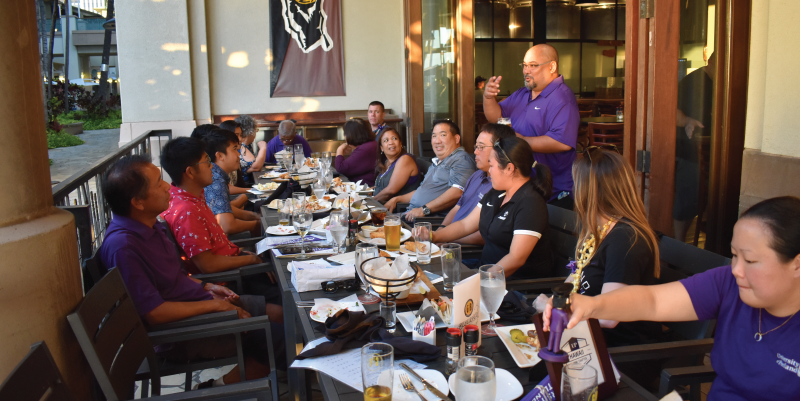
[[60, 139]]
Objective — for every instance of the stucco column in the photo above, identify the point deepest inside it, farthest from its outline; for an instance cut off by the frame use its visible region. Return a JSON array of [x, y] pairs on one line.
[[40, 281]]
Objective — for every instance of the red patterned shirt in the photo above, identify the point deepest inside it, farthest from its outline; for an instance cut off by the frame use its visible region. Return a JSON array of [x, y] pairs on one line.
[[194, 225]]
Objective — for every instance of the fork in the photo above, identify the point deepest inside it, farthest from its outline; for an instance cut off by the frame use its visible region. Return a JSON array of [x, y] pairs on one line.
[[408, 386]]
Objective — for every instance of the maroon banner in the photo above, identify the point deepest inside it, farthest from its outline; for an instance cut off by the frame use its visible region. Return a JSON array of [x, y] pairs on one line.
[[307, 48]]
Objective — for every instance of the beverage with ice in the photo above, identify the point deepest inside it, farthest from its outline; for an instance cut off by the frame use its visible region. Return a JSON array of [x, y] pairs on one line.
[[493, 288], [475, 379]]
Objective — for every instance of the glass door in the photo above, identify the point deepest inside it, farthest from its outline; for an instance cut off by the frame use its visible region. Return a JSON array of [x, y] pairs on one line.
[[439, 62]]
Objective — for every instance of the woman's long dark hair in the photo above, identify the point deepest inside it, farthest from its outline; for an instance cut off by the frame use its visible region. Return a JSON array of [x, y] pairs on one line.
[[518, 152], [381, 159], [356, 133]]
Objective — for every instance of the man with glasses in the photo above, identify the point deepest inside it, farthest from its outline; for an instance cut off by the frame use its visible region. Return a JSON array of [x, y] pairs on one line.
[[545, 114], [286, 137], [479, 184]]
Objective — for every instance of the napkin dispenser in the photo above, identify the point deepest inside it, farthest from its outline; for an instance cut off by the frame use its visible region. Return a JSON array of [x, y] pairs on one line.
[[309, 277]]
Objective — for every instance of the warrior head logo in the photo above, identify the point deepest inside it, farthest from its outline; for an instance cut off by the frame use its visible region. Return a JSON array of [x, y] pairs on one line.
[[305, 21]]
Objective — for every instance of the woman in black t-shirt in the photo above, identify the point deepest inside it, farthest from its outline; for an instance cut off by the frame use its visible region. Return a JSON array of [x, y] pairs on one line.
[[512, 217], [609, 208]]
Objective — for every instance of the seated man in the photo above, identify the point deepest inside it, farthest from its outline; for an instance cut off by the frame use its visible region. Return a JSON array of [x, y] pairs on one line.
[[137, 245], [375, 115], [286, 137], [479, 183], [444, 183], [192, 222], [222, 147], [199, 132]]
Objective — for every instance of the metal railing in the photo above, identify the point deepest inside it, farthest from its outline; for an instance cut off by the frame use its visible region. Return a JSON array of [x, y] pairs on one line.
[[81, 195]]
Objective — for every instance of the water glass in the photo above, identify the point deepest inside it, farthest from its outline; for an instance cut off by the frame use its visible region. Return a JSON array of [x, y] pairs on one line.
[[302, 221], [299, 156], [326, 160], [378, 371], [475, 379], [338, 226], [298, 201], [422, 242], [319, 190], [451, 255], [365, 251], [388, 310], [579, 382], [505, 121], [493, 289]]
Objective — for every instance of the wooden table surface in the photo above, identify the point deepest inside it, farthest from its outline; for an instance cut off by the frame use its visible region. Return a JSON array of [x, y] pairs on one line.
[[299, 330]]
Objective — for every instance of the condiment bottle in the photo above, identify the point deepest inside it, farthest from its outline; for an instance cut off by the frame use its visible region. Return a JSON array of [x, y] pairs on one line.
[[453, 341], [470, 340]]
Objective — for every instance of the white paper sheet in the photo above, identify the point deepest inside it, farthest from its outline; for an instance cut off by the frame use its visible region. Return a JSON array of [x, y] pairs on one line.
[[271, 242], [345, 366]]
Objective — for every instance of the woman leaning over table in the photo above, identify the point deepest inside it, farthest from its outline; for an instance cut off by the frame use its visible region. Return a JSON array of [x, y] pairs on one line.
[[613, 225], [513, 216], [360, 165], [755, 302], [395, 170]]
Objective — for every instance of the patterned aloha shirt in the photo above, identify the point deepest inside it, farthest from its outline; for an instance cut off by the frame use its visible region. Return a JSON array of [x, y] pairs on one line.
[[194, 226], [217, 195]]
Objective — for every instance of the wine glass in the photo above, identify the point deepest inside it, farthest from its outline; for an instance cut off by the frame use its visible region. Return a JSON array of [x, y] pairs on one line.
[[475, 379], [284, 211], [326, 159], [338, 226], [363, 252], [319, 190], [302, 221], [493, 289]]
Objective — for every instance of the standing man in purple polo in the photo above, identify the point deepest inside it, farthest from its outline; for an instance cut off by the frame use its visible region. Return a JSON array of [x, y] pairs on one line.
[[545, 114]]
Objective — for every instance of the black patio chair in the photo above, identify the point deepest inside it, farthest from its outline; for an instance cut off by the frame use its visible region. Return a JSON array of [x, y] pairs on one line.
[[424, 148], [93, 271], [120, 351], [35, 378]]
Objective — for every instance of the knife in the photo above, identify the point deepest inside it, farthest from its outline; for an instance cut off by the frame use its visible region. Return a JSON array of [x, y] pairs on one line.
[[430, 387]]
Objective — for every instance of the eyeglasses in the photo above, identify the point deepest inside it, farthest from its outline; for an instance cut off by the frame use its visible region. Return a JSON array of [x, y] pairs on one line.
[[207, 161], [480, 147], [330, 287], [589, 149], [497, 145], [532, 65]]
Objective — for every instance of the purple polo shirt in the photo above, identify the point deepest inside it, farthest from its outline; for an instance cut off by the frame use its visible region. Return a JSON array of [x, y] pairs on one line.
[[553, 113], [746, 369], [149, 265], [275, 145], [477, 186]]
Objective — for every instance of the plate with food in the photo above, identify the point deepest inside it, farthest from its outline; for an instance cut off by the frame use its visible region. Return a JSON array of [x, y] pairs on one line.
[[522, 343], [409, 248], [322, 311], [281, 230], [318, 206], [378, 237], [269, 186], [279, 177], [272, 174]]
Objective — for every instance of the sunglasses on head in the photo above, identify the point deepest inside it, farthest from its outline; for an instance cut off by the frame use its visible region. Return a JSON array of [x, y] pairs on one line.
[[497, 145], [330, 287], [589, 149]]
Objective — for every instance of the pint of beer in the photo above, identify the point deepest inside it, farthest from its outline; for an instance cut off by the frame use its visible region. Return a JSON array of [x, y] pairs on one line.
[[392, 232]]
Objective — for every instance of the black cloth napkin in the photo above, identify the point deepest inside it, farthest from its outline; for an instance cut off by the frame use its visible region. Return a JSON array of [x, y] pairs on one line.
[[348, 330]]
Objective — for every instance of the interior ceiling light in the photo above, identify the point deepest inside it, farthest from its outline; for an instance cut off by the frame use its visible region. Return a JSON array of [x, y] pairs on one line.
[[586, 3]]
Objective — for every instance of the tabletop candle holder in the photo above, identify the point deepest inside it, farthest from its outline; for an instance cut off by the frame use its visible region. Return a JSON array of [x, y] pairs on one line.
[[388, 289]]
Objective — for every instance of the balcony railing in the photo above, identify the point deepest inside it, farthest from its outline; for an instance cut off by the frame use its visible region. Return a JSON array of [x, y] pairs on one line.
[[81, 195]]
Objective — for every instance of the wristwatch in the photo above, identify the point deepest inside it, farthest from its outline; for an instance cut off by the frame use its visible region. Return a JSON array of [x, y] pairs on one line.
[[426, 210]]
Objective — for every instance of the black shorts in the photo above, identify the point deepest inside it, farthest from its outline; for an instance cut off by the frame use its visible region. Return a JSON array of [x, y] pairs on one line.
[[254, 342]]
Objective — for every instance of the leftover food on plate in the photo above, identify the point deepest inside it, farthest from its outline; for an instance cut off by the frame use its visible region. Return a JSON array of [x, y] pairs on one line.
[[270, 186]]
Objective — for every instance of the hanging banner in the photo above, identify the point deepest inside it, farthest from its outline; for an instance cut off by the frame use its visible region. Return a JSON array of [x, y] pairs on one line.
[[306, 44]]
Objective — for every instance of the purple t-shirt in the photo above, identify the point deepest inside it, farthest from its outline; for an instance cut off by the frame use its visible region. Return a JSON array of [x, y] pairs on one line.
[[275, 145], [477, 186], [553, 113], [149, 265], [746, 369], [360, 165]]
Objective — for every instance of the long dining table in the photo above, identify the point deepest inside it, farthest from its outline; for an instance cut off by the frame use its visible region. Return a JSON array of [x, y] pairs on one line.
[[300, 330]]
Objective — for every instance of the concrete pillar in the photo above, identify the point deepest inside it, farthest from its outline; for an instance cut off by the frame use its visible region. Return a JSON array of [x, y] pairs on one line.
[[41, 281]]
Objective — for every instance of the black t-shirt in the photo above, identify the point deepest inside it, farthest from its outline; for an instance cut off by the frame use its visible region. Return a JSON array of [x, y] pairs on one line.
[[622, 259], [695, 100], [525, 214]]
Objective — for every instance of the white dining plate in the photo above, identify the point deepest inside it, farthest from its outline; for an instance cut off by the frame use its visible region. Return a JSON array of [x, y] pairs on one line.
[[507, 386], [270, 186], [270, 174], [434, 250], [432, 376], [321, 312], [405, 235], [281, 230], [524, 355]]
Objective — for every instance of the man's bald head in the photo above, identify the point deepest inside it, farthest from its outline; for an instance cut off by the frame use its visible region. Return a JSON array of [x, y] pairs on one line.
[[541, 67]]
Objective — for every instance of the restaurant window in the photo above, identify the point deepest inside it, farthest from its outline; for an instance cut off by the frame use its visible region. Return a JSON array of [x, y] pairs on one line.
[[439, 77], [589, 41]]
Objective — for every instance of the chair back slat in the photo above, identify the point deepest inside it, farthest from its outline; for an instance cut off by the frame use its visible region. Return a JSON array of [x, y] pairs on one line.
[[93, 271], [113, 337], [605, 134], [562, 219], [35, 378], [423, 165], [424, 147]]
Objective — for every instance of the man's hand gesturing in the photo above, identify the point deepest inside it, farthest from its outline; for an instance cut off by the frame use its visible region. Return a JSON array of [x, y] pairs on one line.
[[492, 88]]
